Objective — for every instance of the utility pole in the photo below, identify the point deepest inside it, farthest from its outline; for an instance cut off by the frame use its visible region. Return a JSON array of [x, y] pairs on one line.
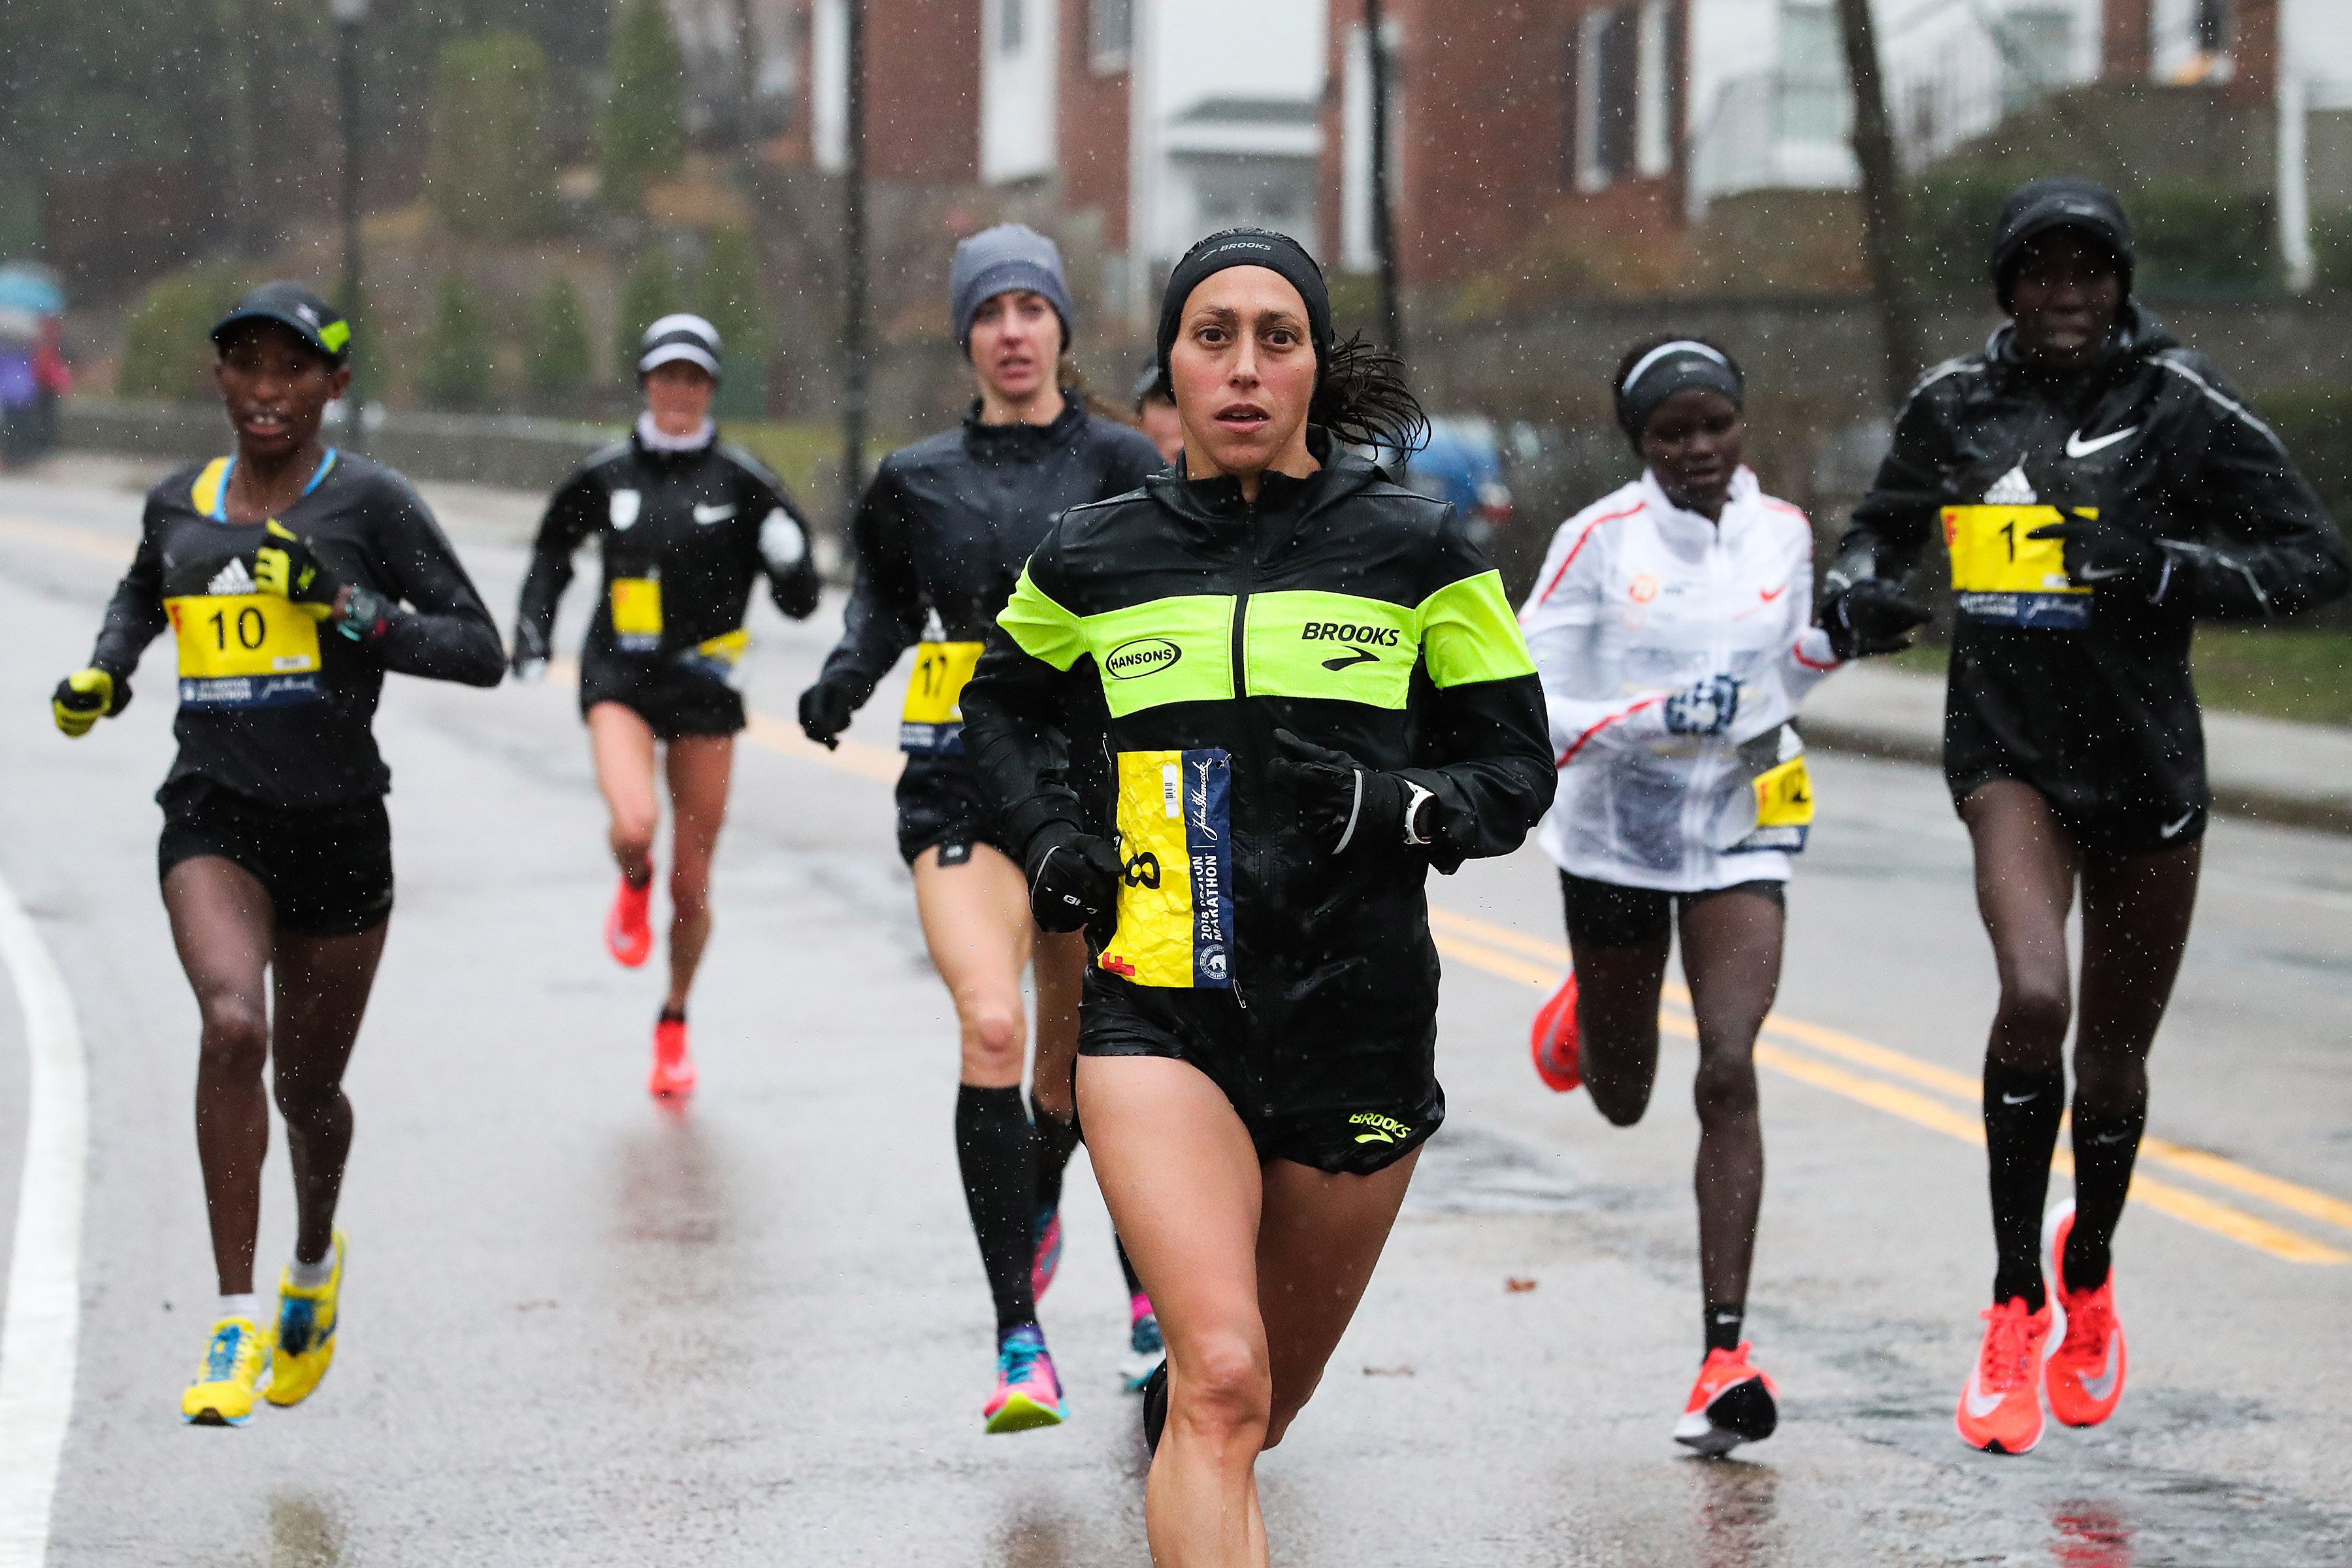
[[853, 245], [1383, 217], [1884, 237], [347, 15]]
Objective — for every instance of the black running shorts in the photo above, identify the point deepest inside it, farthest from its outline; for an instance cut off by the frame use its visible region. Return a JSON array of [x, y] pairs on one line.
[[671, 698], [1606, 914], [2118, 824], [326, 869], [1349, 1107], [940, 805]]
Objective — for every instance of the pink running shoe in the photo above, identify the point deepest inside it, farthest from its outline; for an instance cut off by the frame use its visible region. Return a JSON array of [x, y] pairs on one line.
[[1027, 1394]]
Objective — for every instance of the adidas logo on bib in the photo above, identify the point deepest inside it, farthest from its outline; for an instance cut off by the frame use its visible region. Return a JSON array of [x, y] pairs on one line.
[[231, 578], [2012, 489]]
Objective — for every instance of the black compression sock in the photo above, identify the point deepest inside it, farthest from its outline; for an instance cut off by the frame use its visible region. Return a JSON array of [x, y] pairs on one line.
[[2020, 1117], [2105, 1144], [1127, 1267], [1724, 1324], [997, 1154], [1057, 1140], [672, 1015]]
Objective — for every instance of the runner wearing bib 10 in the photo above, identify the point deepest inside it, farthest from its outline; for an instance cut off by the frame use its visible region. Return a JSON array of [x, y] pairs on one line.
[[940, 536], [1672, 627], [2100, 490], [291, 577], [687, 527]]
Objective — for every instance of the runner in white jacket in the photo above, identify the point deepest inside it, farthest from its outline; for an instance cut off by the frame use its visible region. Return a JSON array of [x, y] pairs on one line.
[[1673, 627]]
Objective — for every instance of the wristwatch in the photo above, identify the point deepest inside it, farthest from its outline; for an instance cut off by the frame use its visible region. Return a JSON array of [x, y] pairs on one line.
[[1419, 797]]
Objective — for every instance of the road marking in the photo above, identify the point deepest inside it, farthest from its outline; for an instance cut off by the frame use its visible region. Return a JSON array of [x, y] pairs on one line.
[[117, 551], [40, 1333], [1456, 937]]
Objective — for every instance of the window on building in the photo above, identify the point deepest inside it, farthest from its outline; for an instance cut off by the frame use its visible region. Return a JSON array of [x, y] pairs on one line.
[[1608, 94], [1813, 99], [1653, 148], [1012, 25], [1110, 33], [2037, 47]]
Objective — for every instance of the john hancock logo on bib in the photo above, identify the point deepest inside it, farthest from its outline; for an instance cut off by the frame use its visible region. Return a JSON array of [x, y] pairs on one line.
[[1144, 656]]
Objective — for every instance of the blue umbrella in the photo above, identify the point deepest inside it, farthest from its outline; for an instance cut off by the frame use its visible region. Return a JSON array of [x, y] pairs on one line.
[[26, 287]]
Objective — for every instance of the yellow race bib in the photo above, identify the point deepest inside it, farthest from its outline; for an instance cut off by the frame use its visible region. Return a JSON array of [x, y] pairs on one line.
[[1784, 795], [2001, 574], [244, 650], [721, 657], [1776, 814], [1176, 892], [637, 614], [932, 719]]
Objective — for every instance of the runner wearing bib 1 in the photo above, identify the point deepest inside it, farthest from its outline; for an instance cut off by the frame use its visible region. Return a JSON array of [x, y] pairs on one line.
[[1672, 625], [687, 527], [941, 535], [2099, 490], [290, 577]]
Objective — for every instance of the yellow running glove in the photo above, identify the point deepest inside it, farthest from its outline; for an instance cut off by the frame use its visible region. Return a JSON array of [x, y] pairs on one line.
[[288, 568], [85, 697]]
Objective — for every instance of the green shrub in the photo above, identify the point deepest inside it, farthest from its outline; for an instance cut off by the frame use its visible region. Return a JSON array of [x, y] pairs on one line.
[[167, 349], [642, 135], [458, 369], [1953, 217], [648, 294], [2331, 246], [2316, 423], [490, 173], [558, 362], [2199, 238], [729, 297]]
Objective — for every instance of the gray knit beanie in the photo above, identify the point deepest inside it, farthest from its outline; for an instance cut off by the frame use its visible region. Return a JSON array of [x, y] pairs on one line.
[[1011, 256]]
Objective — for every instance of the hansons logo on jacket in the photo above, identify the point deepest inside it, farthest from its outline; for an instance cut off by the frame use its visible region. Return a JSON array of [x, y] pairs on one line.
[[1144, 656]]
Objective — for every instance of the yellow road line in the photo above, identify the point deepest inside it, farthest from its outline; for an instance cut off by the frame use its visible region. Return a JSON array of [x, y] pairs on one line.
[[2162, 1196], [116, 550]]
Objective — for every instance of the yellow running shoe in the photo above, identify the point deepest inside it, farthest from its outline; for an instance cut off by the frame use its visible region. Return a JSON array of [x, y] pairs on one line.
[[234, 1363], [304, 1344]]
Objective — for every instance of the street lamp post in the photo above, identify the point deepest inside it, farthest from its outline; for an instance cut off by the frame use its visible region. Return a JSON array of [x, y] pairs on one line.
[[349, 14]]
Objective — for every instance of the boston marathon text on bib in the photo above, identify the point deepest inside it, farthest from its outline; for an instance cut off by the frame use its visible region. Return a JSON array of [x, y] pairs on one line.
[[932, 720], [2001, 574], [244, 650], [637, 614], [1176, 891]]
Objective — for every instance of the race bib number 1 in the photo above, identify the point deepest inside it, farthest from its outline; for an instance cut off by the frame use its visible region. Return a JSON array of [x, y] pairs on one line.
[[2002, 575], [244, 650]]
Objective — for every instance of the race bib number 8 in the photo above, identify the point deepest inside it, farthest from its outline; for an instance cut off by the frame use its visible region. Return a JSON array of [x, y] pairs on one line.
[[932, 719], [2002, 575], [1175, 847], [244, 650], [637, 614]]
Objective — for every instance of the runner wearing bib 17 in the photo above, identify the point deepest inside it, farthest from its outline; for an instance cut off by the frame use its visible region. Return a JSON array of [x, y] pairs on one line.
[[291, 577], [2101, 490], [1672, 625], [941, 535], [687, 526]]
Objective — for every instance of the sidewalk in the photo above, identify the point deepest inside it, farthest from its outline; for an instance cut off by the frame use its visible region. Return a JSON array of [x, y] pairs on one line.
[[2297, 775]]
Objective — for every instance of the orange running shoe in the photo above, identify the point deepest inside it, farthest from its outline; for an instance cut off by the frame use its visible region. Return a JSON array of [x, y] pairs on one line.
[[2084, 1375], [2000, 1409], [1731, 1403], [628, 930], [673, 1075], [1553, 1039]]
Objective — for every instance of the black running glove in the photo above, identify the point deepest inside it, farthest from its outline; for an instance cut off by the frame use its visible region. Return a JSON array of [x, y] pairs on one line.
[[85, 697], [1870, 617], [1345, 803], [2097, 553], [826, 709], [1074, 881]]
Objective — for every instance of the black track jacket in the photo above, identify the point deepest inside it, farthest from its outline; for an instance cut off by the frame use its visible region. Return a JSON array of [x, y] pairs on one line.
[[1343, 608], [2087, 697]]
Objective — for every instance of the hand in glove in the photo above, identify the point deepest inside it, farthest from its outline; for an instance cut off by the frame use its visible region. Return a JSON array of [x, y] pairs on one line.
[[85, 697], [825, 712], [1869, 617], [2097, 553], [782, 546], [1074, 881], [1343, 802], [1705, 707], [528, 657], [290, 569]]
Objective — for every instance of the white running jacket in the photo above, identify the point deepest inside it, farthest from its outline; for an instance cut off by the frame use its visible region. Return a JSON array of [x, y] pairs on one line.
[[1639, 599]]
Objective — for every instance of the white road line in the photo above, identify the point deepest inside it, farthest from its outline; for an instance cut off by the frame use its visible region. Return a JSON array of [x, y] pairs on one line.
[[39, 1338]]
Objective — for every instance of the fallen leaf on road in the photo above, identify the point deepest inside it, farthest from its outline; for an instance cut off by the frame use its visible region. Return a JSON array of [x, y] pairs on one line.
[[1517, 1285]]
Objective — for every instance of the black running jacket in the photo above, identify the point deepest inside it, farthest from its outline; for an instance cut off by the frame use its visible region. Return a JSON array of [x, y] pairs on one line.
[[2086, 694], [1343, 608]]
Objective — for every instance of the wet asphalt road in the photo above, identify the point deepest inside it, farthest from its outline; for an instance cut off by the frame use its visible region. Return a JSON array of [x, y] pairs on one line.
[[584, 1330]]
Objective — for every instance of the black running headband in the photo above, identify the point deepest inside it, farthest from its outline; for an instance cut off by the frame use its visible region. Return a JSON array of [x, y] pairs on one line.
[[1677, 366], [1247, 248]]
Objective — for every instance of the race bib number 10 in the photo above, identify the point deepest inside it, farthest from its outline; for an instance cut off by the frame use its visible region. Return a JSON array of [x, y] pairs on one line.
[[244, 650]]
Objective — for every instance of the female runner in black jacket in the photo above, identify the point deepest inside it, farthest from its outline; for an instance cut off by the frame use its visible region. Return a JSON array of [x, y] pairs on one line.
[[1317, 692], [940, 536], [292, 578], [686, 526], [2101, 490]]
